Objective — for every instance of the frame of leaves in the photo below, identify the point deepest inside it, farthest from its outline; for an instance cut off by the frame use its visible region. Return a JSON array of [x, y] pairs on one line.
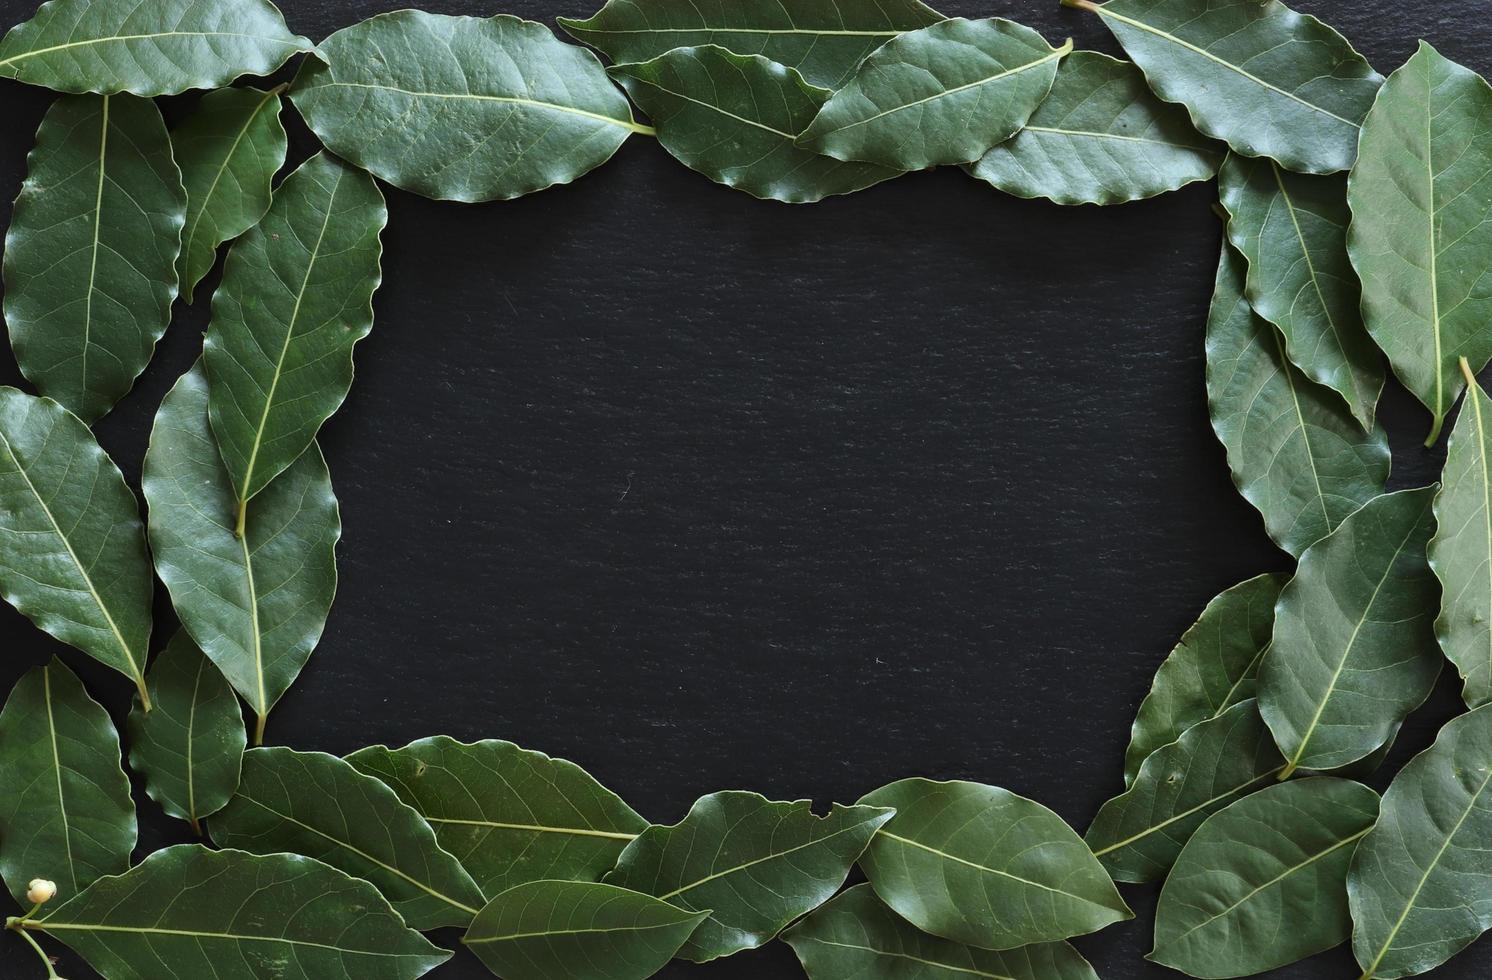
[[1358, 215]]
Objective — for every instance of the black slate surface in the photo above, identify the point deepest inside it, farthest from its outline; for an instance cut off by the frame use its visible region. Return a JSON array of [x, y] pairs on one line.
[[703, 492]]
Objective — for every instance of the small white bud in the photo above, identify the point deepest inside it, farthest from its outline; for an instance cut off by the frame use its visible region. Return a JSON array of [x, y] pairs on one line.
[[41, 891]]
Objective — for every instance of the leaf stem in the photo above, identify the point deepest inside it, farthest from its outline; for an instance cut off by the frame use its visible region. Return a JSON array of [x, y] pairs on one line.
[[144, 693], [18, 926], [1288, 771], [642, 129], [1468, 375], [241, 519], [1081, 4], [1434, 435], [259, 729]]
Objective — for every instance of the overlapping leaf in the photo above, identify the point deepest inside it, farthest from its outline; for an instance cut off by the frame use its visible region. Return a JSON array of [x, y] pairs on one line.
[[1421, 236], [1263, 883], [1292, 229], [296, 296], [1100, 137], [1267, 80], [1214, 667], [1461, 550], [186, 912], [825, 40], [255, 604], [72, 548], [1354, 649], [228, 151], [462, 108], [1420, 887], [65, 808], [158, 48], [756, 864], [90, 257], [549, 930], [982, 866], [1138, 834], [855, 936], [510, 816], [1294, 450], [316, 804], [189, 747], [941, 95], [734, 118]]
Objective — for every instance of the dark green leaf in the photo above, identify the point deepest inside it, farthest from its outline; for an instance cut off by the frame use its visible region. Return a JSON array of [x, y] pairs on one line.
[[1461, 550], [1268, 81], [734, 119], [1354, 649], [1292, 229], [72, 548], [825, 40], [944, 94], [509, 816], [1100, 137], [90, 257], [1263, 883], [1214, 667], [757, 864], [65, 808], [158, 48], [980, 865], [228, 150], [190, 745], [185, 913], [1421, 235], [1420, 887], [462, 108], [558, 930], [297, 294], [315, 804], [255, 604], [855, 937], [1294, 449], [1138, 834]]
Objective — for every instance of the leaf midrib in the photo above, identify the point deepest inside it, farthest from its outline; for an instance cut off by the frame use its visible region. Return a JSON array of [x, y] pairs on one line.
[[1055, 53], [67, 841], [1184, 814], [536, 828], [715, 108], [574, 932], [196, 224], [906, 956], [72, 555], [124, 38], [776, 855], [980, 867], [504, 99], [1150, 29], [45, 925], [98, 222]]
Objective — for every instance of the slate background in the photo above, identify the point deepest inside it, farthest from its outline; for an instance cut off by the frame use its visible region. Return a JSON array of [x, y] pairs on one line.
[[703, 492]]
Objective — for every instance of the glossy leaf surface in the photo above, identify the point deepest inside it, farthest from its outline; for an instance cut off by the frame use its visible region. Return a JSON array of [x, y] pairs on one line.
[[734, 118], [90, 256], [1100, 137], [756, 864], [463, 108], [825, 40], [1421, 236], [1138, 834], [1294, 449], [65, 808], [187, 912], [1214, 667], [1420, 888], [72, 548], [296, 296], [980, 865], [551, 930], [228, 150], [1292, 229], [1354, 649], [1268, 81], [510, 816], [941, 95], [1461, 549], [190, 745], [316, 804], [159, 48], [855, 936], [1263, 883], [256, 604]]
